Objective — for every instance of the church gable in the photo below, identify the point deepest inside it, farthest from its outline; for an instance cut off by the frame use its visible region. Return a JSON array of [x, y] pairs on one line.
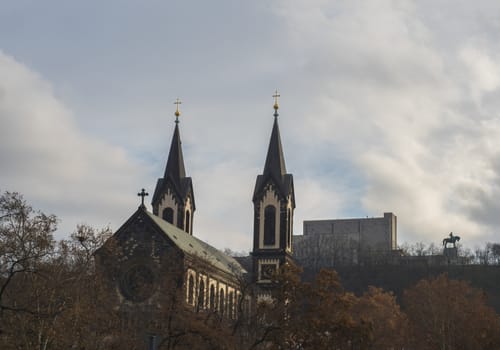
[[167, 204], [168, 187], [147, 259], [283, 187], [139, 261]]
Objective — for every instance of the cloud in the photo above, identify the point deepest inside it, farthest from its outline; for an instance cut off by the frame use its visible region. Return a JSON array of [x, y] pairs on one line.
[[223, 193], [58, 168], [386, 106], [418, 122]]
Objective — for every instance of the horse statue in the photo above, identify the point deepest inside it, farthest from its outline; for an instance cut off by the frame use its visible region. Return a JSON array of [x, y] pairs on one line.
[[453, 239]]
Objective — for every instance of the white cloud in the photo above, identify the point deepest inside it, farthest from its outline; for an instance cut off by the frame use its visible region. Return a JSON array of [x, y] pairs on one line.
[[223, 194], [386, 106], [482, 72], [58, 168], [410, 116]]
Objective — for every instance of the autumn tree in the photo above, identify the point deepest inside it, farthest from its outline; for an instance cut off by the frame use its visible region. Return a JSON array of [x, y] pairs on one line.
[[450, 314], [303, 315], [50, 296], [387, 323], [90, 319]]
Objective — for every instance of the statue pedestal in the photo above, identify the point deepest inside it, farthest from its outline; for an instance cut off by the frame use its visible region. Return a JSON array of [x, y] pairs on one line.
[[450, 253]]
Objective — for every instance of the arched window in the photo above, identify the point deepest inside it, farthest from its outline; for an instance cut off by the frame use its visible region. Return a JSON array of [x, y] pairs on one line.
[[212, 297], [188, 221], [230, 305], [221, 301], [190, 289], [168, 215], [201, 296], [270, 225]]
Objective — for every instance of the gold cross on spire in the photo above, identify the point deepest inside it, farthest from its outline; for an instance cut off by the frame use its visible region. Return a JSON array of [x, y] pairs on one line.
[[177, 112], [276, 105]]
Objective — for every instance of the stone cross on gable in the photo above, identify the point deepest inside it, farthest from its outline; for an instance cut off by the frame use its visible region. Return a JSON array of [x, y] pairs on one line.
[[142, 194]]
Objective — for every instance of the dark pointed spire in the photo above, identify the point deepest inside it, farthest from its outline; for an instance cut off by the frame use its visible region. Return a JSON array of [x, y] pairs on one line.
[[175, 172], [275, 161], [173, 199], [175, 163], [274, 168]]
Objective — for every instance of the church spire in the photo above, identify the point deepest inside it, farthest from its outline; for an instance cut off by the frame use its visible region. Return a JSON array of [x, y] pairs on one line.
[[175, 164], [274, 204], [275, 161], [173, 199]]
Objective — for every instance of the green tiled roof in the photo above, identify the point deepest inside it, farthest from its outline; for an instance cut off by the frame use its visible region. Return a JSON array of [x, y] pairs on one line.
[[195, 247]]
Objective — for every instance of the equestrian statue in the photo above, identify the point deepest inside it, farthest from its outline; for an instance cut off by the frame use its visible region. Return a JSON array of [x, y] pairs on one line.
[[453, 239]]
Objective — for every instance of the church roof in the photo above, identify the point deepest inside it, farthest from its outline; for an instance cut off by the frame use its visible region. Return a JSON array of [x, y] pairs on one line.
[[275, 161], [175, 163], [274, 168], [196, 247]]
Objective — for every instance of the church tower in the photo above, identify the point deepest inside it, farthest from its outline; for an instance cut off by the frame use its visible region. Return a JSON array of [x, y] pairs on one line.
[[274, 203], [173, 199]]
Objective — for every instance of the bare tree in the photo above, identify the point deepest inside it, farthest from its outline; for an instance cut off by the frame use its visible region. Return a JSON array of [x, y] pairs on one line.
[[26, 241]]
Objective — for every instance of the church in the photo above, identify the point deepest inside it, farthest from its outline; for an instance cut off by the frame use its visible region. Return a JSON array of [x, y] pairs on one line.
[[150, 246], [165, 280]]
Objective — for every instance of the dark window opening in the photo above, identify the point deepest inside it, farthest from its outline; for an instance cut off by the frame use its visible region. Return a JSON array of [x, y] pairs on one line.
[[212, 297], [188, 221], [201, 296], [168, 215], [221, 302], [190, 290], [270, 225]]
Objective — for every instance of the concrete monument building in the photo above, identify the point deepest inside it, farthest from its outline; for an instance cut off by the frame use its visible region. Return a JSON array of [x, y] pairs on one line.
[[336, 242]]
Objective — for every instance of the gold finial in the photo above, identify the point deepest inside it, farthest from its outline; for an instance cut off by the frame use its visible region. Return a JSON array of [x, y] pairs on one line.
[[177, 112], [276, 105]]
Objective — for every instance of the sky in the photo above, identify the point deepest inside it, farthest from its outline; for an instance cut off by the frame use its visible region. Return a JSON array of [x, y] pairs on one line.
[[386, 106]]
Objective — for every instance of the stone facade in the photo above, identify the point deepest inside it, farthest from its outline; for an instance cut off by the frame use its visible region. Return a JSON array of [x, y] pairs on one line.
[[345, 241]]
